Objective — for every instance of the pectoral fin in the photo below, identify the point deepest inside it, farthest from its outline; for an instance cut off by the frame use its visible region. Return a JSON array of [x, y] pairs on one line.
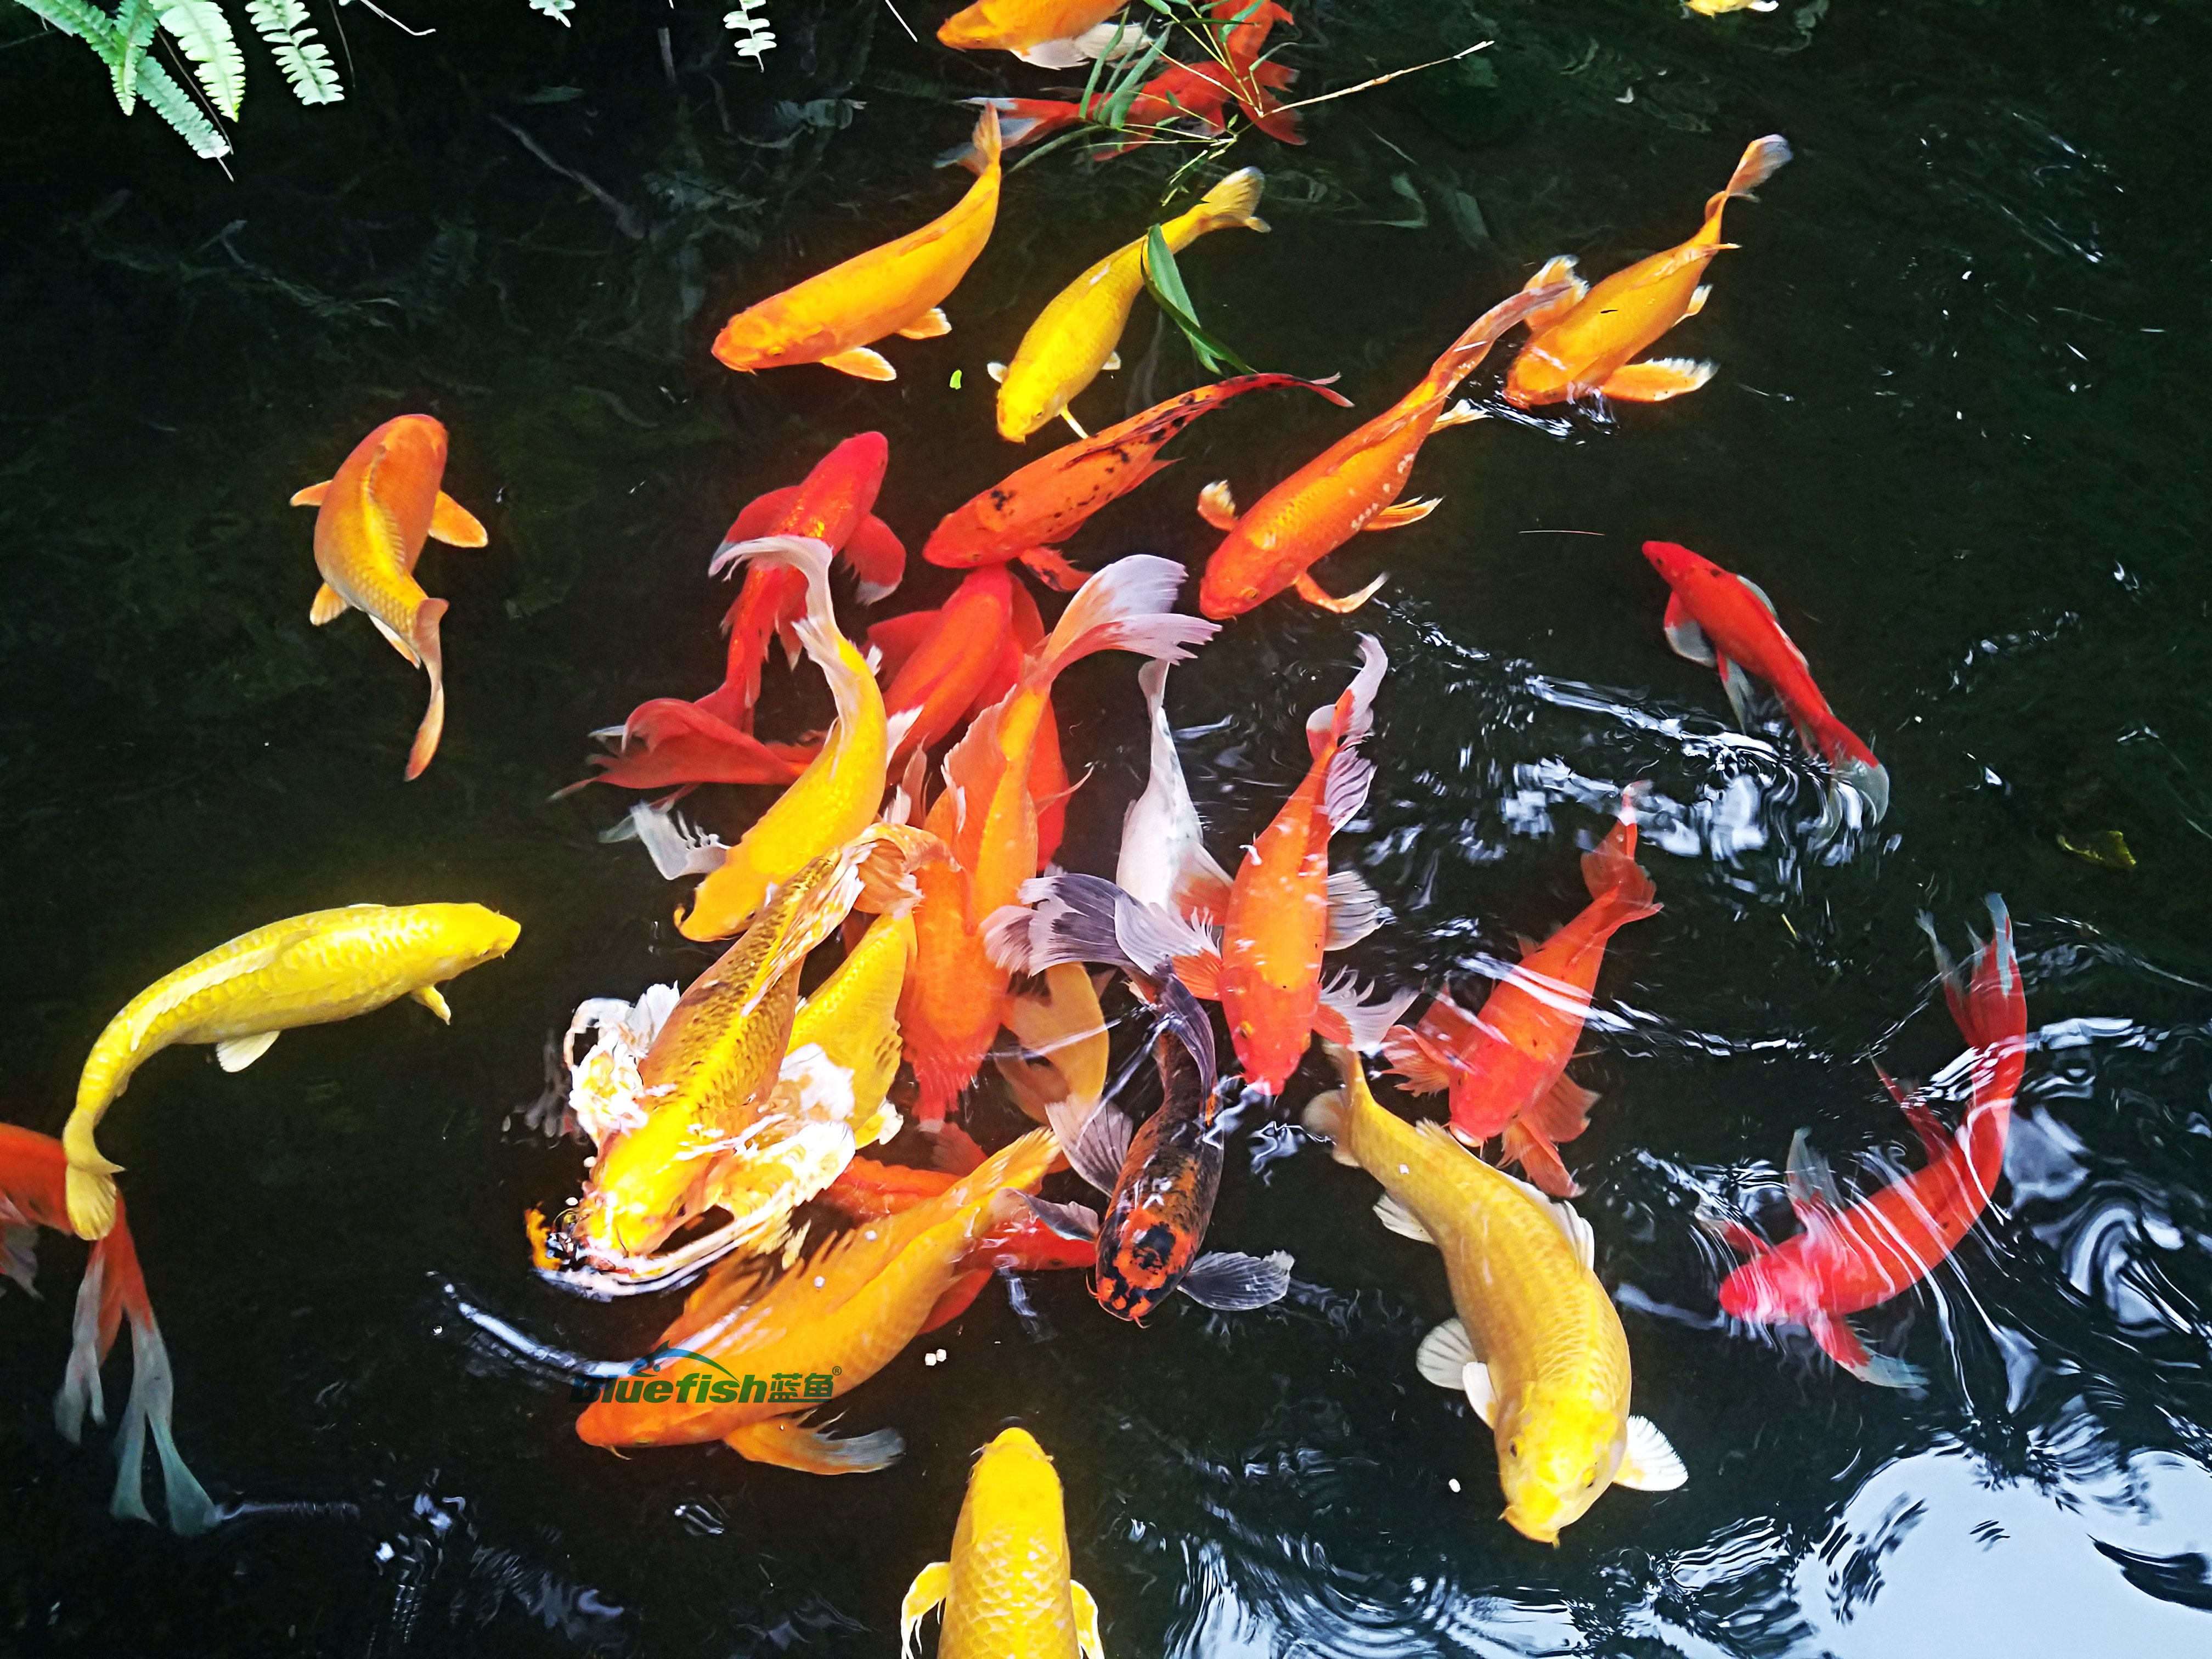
[[1311, 591], [1218, 505], [329, 604], [1073, 425], [1401, 1220], [996, 371], [1113, 361], [1229, 1282], [1559, 269], [862, 364], [1655, 382], [1458, 415], [928, 1589], [455, 525], [397, 642], [928, 326], [428, 997], [1698, 299], [239, 1053], [313, 495], [788, 1444], [1481, 1392], [1841, 1344], [1649, 1463], [1812, 1185], [1685, 636], [1404, 512], [1741, 694], [1086, 1622], [1445, 1353], [1075, 1221]]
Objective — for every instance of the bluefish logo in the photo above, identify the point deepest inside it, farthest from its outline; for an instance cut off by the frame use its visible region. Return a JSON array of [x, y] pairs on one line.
[[640, 1385]]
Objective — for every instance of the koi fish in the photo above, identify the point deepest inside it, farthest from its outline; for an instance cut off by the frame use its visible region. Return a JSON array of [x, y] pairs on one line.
[[945, 673], [845, 1312], [1242, 29], [896, 288], [1847, 1260], [1065, 1028], [371, 521], [1078, 333], [304, 970], [1715, 8], [1284, 911], [1163, 1179], [724, 1093], [1726, 622], [1580, 343], [1350, 486], [1006, 1591], [1506, 1067], [1027, 514], [990, 819], [837, 795], [1164, 862], [1049, 34], [711, 740], [32, 1177], [1537, 1347]]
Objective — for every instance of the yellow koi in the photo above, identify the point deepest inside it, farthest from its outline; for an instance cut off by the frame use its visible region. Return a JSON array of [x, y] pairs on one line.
[[304, 970], [1537, 1346]]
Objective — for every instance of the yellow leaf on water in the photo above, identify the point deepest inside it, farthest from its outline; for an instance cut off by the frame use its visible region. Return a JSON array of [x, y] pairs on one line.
[[2108, 848]]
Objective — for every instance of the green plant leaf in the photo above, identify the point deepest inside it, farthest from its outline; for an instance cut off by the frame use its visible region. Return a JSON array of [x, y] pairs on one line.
[[170, 102], [203, 31], [306, 61], [1164, 283], [87, 23], [135, 23]]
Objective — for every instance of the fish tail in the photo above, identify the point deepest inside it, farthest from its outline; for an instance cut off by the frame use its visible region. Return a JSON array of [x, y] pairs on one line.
[[1610, 870], [988, 141], [1228, 204], [1021, 121], [424, 637], [89, 1185], [122, 1288], [1467, 352], [1123, 607], [1342, 725], [1762, 158], [1851, 763], [1325, 1116]]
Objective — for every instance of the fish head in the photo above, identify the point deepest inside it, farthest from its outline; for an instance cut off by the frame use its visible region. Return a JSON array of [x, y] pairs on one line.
[[1141, 1269], [1556, 1453], [760, 338], [1013, 1496], [1777, 1288], [468, 936], [1026, 403], [1537, 377], [1671, 560], [414, 446], [1234, 582], [972, 30]]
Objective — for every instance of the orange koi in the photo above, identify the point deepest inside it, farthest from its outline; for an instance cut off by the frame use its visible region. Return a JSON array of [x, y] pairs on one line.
[[1353, 485], [1506, 1067], [1049, 34], [1580, 342], [896, 288], [1036, 507], [371, 521], [944, 673]]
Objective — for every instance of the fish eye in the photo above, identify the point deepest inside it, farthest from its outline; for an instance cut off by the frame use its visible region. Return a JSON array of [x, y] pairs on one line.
[[1513, 1447]]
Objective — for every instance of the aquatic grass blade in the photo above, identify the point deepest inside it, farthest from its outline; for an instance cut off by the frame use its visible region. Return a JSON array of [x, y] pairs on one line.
[[1164, 283]]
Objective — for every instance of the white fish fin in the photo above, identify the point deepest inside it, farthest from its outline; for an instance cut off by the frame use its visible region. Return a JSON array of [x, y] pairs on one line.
[[80, 1389], [1076, 1221], [1113, 361], [1217, 505], [1445, 1353], [19, 1251], [1228, 1281], [1564, 1216], [1685, 636], [861, 364], [398, 642], [1812, 1184], [1343, 994], [1703, 293], [1401, 1220], [430, 998], [1355, 910], [1742, 695], [1107, 39], [1152, 937], [1096, 1147], [676, 847], [928, 326], [1073, 425], [236, 1053], [1481, 1391], [1459, 414], [1760, 593], [1650, 1463], [930, 1586], [996, 371], [1087, 1643]]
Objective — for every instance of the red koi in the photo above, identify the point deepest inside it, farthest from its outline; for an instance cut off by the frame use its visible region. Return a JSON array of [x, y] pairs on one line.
[[1726, 622], [1506, 1067], [1847, 1260]]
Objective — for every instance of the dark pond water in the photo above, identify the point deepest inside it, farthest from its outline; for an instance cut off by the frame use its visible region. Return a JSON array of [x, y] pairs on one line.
[[1958, 433]]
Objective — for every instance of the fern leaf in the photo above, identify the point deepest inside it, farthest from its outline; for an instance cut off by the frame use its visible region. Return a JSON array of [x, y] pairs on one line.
[[203, 32], [135, 23], [558, 10], [169, 101], [305, 60], [87, 23]]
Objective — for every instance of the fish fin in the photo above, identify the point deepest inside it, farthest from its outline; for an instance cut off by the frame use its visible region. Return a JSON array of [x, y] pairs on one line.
[[239, 1053], [1733, 1233], [1313, 593], [1202, 886], [861, 364], [1445, 1353], [1404, 512], [152, 1402], [1656, 382], [1539, 1158], [19, 1252], [1355, 909], [996, 371], [1685, 636], [329, 605], [1049, 568], [1228, 1281], [313, 495], [395, 638], [788, 1444], [1076, 1221], [455, 525], [1459, 414], [1934, 1139], [1812, 1185], [955, 1151], [81, 1390], [1760, 593], [429, 996], [1126, 607], [1578, 1231], [1345, 722], [1324, 1116], [1562, 1112], [1842, 1343], [1742, 695], [1416, 1060], [1481, 1391], [1610, 873], [1096, 1147], [1703, 292], [419, 754], [927, 1590], [1073, 425], [1560, 268], [878, 557], [1217, 505], [1113, 361], [1649, 1462], [1761, 160], [1401, 1221], [1364, 1023], [89, 1192], [928, 326], [676, 850], [1085, 1605], [1109, 38]]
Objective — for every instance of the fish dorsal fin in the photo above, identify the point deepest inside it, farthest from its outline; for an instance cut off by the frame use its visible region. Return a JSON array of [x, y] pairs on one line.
[[236, 1053], [1445, 1353], [1685, 636], [1649, 1463], [1759, 593], [1812, 1185], [1401, 1220]]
